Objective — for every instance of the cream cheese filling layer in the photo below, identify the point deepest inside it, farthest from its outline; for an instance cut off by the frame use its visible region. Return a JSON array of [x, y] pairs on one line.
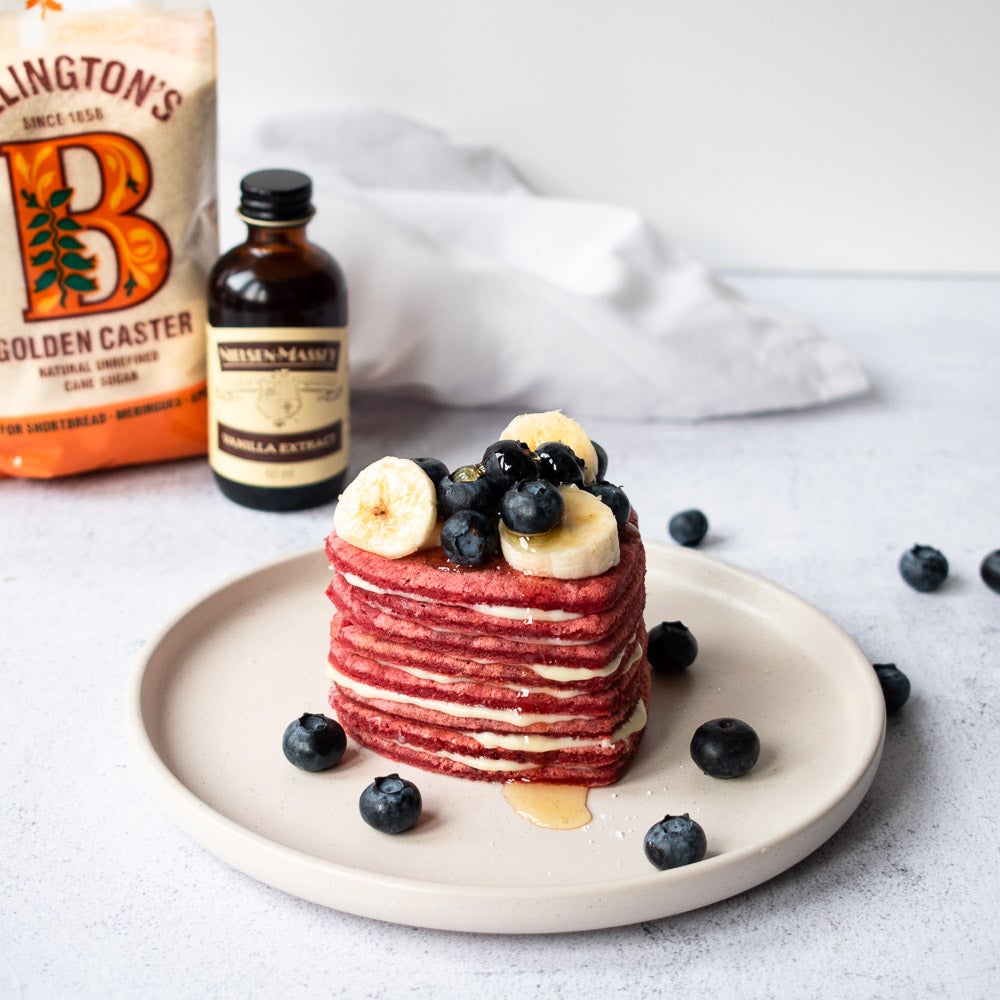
[[554, 672], [567, 674], [511, 716], [485, 764], [562, 674], [493, 610], [533, 743], [521, 641], [512, 641], [538, 743]]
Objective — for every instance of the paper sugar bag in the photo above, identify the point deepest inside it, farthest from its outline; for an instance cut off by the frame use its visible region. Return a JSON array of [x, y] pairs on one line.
[[107, 232]]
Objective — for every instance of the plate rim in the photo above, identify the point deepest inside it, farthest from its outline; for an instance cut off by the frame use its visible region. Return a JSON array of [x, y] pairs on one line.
[[309, 877]]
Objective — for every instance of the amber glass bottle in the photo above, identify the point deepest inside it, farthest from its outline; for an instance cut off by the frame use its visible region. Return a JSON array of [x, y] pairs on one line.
[[278, 393]]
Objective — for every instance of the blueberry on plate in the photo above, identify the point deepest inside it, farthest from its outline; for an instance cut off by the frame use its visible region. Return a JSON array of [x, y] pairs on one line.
[[465, 489], [989, 570], [672, 647], [675, 841], [895, 685], [314, 742], [436, 469], [391, 804], [688, 527], [614, 497], [923, 567], [532, 507], [558, 463], [470, 538], [725, 748], [507, 462]]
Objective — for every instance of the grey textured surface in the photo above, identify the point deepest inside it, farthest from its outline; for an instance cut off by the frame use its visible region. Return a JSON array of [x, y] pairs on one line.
[[103, 897]]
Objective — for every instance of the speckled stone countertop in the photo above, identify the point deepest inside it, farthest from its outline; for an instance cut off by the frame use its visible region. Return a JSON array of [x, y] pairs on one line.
[[102, 896]]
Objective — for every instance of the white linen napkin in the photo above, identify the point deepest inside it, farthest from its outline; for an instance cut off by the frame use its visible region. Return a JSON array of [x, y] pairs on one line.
[[469, 289]]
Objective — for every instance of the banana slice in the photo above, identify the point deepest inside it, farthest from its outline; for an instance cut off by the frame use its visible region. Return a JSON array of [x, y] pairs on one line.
[[390, 508], [433, 539], [538, 428], [584, 543]]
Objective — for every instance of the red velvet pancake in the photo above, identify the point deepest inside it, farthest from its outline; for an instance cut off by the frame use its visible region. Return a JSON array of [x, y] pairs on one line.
[[429, 575]]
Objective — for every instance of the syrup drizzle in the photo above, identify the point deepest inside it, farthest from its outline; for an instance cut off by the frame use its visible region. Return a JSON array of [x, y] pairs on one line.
[[554, 807]]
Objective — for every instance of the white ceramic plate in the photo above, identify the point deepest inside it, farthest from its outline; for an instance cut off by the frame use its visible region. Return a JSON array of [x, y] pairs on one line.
[[213, 691]]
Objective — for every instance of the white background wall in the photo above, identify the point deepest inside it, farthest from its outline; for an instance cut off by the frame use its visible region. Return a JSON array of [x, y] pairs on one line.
[[849, 135]]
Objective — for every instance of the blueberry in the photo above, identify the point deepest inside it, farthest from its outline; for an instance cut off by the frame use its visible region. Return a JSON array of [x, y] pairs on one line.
[[989, 570], [463, 489], [470, 538], [895, 685], [508, 462], [675, 841], [923, 568], [434, 467], [615, 498], [725, 748], [532, 507], [558, 463], [602, 460], [688, 527], [314, 742], [672, 647], [391, 804]]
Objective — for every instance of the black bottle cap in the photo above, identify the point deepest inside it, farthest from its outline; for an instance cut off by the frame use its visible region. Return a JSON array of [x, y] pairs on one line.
[[276, 197]]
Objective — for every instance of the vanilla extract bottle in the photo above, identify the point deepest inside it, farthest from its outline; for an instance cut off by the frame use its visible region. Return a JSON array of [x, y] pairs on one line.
[[278, 389]]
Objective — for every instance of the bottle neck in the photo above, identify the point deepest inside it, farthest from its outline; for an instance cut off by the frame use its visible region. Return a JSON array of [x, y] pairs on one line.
[[275, 236]]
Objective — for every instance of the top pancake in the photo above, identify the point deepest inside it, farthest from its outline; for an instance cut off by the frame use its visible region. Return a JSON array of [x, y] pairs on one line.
[[429, 576]]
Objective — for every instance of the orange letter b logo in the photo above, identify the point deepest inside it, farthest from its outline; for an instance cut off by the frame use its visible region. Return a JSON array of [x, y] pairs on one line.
[[60, 224]]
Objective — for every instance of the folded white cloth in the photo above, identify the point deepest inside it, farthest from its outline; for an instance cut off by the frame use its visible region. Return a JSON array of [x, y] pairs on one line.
[[469, 289]]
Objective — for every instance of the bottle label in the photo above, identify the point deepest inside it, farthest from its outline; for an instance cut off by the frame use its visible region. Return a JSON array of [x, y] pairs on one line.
[[277, 404]]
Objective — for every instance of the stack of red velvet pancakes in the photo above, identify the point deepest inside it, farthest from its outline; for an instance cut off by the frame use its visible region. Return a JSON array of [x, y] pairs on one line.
[[487, 671], [490, 674]]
